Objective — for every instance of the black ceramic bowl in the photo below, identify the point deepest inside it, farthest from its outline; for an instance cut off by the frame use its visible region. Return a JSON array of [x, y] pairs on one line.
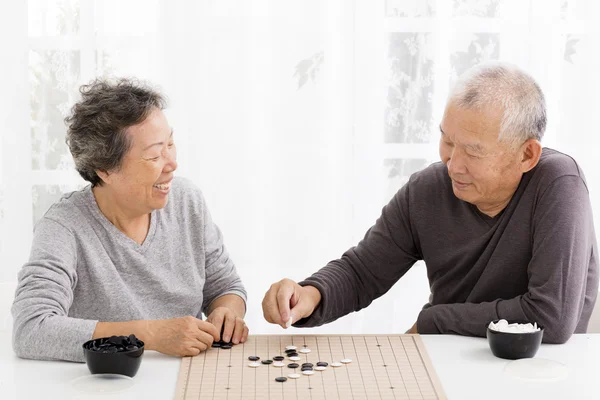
[[121, 362], [513, 346]]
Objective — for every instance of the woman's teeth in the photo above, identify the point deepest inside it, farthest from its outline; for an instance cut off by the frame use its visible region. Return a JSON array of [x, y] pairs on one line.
[[164, 186]]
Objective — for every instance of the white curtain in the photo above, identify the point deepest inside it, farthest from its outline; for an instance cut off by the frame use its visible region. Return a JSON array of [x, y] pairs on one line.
[[298, 120]]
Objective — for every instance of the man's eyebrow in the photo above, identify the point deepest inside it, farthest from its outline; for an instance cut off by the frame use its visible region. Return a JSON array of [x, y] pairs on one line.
[[158, 143], [475, 147]]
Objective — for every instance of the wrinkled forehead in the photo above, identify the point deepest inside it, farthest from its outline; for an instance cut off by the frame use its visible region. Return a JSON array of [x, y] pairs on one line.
[[472, 125]]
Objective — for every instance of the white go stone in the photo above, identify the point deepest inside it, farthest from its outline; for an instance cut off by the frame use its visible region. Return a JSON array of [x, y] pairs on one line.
[[290, 347], [254, 365], [279, 364], [305, 351], [295, 358], [308, 372], [336, 364], [294, 376], [320, 368], [346, 361]]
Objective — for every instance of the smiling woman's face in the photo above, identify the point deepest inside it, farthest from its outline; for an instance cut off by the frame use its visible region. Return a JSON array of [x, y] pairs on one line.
[[143, 181], [484, 171]]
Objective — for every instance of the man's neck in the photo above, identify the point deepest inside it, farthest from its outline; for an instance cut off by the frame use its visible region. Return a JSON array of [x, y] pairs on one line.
[[491, 210]]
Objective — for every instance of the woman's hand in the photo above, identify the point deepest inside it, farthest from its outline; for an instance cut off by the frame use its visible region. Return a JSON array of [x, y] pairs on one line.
[[187, 336], [233, 328]]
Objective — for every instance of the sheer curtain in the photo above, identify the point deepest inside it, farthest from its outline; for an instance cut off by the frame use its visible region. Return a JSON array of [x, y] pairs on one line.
[[298, 120]]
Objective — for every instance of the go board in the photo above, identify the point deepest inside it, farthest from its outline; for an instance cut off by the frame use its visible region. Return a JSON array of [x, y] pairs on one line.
[[358, 367]]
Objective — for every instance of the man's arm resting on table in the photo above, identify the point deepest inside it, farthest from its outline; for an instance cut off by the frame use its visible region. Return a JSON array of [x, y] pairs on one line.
[[471, 319]]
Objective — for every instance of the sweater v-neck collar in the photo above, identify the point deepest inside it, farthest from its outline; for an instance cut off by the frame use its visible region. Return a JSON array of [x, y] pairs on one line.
[[115, 232], [490, 221]]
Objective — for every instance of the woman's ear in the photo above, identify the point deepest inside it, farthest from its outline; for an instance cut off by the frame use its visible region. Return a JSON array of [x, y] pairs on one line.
[[104, 175]]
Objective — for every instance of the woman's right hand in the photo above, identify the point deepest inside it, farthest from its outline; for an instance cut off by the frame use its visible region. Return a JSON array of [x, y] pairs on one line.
[[186, 336]]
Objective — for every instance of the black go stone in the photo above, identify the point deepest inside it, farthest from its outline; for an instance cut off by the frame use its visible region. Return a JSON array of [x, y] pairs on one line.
[[292, 354], [292, 365], [216, 344], [306, 369], [278, 358], [254, 358], [307, 365], [322, 364], [114, 340], [281, 379], [225, 346], [267, 362]]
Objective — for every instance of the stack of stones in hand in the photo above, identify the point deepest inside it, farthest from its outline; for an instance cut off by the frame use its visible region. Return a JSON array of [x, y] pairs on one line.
[[115, 344], [293, 355]]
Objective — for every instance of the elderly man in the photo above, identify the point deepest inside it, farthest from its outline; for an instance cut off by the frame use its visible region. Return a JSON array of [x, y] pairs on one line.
[[135, 251], [504, 226]]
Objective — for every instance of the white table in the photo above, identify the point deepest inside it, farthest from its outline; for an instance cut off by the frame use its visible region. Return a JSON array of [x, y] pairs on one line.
[[465, 366]]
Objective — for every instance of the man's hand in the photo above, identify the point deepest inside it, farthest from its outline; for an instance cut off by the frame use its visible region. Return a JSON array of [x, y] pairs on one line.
[[187, 336], [287, 300], [233, 327], [413, 329]]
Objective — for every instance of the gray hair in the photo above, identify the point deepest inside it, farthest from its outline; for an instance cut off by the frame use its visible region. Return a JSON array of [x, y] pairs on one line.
[[495, 84], [98, 123]]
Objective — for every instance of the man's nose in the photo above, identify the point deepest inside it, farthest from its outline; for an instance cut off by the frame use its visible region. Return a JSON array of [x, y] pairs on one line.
[[456, 164]]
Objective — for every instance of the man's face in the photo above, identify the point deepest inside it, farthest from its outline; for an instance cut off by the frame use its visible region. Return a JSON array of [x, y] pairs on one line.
[[143, 181], [484, 171]]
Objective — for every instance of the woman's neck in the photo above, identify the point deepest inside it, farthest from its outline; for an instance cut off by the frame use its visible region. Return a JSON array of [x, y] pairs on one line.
[[133, 224]]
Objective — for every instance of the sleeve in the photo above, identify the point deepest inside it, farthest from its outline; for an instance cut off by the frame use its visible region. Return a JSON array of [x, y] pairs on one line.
[[42, 329], [562, 245], [221, 275], [368, 270]]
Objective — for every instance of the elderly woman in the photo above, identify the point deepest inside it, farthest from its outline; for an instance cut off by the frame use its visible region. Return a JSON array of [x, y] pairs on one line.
[[136, 251]]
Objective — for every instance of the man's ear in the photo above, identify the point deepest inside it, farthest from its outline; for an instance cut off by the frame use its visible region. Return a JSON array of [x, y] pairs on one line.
[[105, 176], [529, 153]]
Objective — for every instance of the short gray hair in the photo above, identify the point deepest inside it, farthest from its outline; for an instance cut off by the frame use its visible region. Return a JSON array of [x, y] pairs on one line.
[[514, 91], [98, 123]]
